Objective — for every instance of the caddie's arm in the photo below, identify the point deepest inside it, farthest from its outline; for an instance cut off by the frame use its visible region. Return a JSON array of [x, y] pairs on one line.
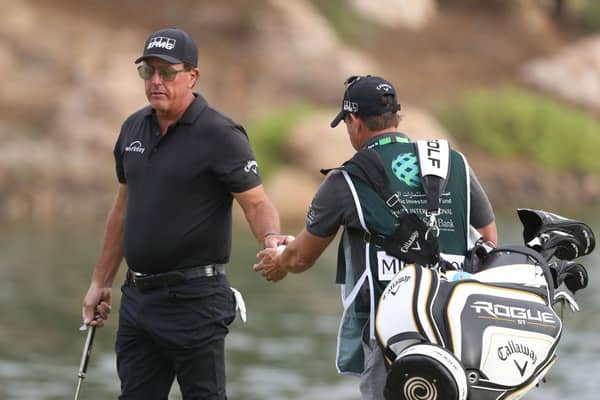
[[489, 233], [98, 298]]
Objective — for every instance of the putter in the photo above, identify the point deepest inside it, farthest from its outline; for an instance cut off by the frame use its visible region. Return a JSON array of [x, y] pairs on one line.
[[85, 357]]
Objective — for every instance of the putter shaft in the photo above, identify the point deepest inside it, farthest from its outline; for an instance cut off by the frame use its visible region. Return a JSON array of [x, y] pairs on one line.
[[85, 358]]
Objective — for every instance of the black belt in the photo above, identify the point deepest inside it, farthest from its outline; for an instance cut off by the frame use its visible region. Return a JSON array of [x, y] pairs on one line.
[[147, 282]]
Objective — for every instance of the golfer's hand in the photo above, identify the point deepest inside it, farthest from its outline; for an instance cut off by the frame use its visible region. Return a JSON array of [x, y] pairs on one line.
[[97, 302], [270, 266], [272, 241]]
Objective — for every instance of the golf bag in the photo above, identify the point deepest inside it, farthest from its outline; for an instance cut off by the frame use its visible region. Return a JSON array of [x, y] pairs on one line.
[[488, 332]]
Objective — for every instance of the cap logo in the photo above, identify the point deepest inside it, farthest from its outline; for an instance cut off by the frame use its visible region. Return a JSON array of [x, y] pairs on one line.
[[350, 106], [161, 42], [385, 87]]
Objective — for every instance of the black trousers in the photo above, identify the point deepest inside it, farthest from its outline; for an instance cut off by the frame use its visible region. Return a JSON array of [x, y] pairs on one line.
[[174, 332]]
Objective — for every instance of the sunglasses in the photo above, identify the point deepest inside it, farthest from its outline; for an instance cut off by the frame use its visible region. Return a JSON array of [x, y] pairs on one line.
[[165, 72]]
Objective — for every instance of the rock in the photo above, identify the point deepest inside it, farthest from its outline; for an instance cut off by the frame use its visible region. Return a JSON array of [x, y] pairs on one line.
[[301, 54], [78, 82], [573, 74], [313, 144], [91, 113], [419, 124], [291, 191], [33, 78], [43, 179], [412, 14]]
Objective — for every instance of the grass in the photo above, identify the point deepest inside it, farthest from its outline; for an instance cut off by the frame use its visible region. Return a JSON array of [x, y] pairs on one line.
[[268, 134], [511, 122]]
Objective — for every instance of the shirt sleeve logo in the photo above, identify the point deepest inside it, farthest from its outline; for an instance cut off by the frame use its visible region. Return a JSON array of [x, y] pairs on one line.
[[251, 165], [310, 216]]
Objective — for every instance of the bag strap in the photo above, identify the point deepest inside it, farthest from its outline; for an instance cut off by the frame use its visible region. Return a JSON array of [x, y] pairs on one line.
[[369, 168], [434, 165], [367, 165]]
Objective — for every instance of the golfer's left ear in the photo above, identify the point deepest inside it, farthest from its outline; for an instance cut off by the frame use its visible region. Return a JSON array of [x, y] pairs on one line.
[[194, 74]]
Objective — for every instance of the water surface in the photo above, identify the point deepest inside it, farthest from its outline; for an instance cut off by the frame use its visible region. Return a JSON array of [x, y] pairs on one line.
[[285, 351]]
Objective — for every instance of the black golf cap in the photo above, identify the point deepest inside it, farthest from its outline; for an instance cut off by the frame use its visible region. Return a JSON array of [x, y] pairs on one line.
[[172, 45], [364, 97]]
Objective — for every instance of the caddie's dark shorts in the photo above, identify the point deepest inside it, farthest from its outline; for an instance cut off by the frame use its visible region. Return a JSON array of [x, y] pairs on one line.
[[173, 332]]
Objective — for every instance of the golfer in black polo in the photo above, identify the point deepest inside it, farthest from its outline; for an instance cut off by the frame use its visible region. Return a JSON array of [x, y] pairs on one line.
[[179, 163]]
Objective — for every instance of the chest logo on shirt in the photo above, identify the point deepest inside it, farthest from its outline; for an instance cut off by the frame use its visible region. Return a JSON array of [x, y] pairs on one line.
[[251, 165], [135, 147]]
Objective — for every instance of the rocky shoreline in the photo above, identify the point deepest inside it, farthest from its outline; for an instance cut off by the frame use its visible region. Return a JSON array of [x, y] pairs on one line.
[[50, 186], [70, 89]]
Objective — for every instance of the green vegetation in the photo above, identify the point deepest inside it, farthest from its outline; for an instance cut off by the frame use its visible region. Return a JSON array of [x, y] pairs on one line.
[[511, 122], [268, 134], [351, 26], [587, 13]]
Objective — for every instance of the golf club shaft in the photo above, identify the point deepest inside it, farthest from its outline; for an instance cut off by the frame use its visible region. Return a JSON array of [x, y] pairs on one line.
[[85, 358], [78, 388]]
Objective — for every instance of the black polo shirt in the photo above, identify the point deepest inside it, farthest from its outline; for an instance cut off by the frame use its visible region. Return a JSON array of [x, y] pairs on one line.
[[179, 186]]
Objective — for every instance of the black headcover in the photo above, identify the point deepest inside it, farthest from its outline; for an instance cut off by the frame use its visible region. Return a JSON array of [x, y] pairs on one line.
[[574, 275], [552, 234]]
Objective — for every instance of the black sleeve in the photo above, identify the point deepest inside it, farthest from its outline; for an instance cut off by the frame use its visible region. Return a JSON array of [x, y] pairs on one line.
[[329, 207], [118, 154], [233, 161], [481, 208]]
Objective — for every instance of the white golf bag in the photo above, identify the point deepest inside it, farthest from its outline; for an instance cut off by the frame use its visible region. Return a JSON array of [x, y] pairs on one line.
[[490, 331]]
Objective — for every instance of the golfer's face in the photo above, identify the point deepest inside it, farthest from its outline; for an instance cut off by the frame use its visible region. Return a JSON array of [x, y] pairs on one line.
[[168, 85]]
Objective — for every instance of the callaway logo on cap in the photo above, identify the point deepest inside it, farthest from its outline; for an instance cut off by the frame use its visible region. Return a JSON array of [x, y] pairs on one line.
[[172, 45]]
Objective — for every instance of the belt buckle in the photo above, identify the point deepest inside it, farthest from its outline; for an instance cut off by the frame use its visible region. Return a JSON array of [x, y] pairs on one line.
[[145, 283], [174, 278], [132, 277], [210, 271], [137, 275], [142, 286]]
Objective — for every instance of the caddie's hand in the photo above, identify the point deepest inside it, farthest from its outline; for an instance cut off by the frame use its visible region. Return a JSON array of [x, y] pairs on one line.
[[96, 303], [269, 265], [274, 240]]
